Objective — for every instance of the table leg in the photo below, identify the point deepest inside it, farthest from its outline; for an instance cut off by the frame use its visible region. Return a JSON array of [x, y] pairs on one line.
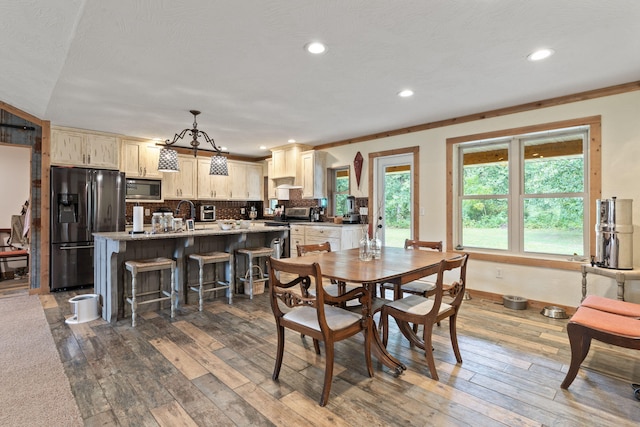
[[620, 280], [377, 348]]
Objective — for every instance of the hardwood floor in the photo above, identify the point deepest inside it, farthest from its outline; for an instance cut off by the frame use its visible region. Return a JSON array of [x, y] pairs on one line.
[[214, 368]]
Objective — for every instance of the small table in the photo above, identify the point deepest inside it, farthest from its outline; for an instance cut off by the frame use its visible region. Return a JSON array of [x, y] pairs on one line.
[[619, 275]]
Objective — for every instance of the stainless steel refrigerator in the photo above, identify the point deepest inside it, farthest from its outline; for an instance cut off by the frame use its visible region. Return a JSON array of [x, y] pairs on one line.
[[83, 201]]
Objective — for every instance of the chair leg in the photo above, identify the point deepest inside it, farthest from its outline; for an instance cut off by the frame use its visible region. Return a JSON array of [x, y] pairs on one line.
[[201, 286], [368, 335], [428, 351], [328, 373], [384, 325], [316, 346], [279, 353], [454, 337], [580, 341]]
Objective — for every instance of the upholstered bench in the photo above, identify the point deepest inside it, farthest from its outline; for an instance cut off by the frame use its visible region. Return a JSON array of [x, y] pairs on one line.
[[614, 306], [589, 323]]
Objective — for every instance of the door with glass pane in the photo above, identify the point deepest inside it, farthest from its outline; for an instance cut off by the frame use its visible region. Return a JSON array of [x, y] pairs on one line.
[[392, 216]]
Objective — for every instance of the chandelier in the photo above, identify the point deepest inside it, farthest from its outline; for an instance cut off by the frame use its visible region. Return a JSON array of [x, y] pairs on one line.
[[168, 161]]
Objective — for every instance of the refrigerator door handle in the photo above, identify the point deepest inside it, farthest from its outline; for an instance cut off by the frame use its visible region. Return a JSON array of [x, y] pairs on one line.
[[70, 248], [90, 203]]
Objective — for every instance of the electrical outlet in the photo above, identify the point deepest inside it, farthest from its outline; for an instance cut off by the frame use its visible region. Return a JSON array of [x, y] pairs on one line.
[[421, 211], [364, 211], [147, 212], [499, 273], [242, 211]]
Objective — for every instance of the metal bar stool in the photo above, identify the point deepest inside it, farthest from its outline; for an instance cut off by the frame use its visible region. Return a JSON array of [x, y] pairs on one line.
[[212, 258], [146, 265], [260, 276]]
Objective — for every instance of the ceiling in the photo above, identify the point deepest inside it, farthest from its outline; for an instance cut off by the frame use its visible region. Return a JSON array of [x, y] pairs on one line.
[[136, 67]]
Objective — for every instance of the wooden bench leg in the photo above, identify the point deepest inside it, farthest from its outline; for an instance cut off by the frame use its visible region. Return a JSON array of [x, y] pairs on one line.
[[580, 341]]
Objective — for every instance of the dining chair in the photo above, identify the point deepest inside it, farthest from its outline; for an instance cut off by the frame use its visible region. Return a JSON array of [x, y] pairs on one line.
[[418, 309], [294, 308], [420, 287], [336, 288]]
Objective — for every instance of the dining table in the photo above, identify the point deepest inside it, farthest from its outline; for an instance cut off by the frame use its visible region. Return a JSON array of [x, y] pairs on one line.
[[397, 266]]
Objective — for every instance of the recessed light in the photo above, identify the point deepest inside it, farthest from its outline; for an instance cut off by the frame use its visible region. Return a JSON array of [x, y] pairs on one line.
[[223, 148], [291, 141], [263, 147], [406, 93], [316, 48], [540, 54]]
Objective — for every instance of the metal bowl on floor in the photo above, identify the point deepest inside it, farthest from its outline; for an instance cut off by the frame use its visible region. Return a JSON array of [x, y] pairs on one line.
[[513, 302], [554, 312]]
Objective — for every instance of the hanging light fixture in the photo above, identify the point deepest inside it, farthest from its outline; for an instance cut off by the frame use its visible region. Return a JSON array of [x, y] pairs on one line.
[[168, 161]]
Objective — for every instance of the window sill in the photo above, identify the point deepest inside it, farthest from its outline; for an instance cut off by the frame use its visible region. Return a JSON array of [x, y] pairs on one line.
[[554, 263]]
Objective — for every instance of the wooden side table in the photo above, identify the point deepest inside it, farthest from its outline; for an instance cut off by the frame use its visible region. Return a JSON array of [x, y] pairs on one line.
[[619, 275]]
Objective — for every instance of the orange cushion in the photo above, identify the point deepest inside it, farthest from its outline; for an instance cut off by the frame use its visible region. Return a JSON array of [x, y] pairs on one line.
[[609, 305], [607, 322]]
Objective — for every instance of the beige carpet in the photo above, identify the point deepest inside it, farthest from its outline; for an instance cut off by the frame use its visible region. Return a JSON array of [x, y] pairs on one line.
[[34, 390]]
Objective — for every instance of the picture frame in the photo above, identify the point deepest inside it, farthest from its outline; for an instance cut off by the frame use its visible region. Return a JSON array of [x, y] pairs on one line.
[[191, 225]]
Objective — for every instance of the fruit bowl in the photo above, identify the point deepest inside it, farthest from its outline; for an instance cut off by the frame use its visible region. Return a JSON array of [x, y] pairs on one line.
[[225, 225]]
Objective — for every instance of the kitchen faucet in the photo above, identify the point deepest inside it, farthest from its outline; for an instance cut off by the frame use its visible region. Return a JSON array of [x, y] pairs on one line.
[[193, 208]]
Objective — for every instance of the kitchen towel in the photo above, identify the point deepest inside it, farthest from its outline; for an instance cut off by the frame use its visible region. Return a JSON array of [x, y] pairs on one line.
[[138, 219]]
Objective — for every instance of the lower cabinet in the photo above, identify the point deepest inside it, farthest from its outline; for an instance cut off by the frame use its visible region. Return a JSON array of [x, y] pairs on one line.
[[340, 237]]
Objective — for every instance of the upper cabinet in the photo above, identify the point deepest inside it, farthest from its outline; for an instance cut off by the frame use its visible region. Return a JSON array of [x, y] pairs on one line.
[[211, 187], [286, 161], [245, 181], [140, 159], [182, 184], [313, 180], [73, 147]]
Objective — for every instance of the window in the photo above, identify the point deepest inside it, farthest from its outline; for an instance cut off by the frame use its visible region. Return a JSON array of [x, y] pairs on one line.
[[525, 193], [340, 190]]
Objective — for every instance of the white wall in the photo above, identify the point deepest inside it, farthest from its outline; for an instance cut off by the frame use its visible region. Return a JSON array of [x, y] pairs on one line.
[[620, 177], [15, 176]]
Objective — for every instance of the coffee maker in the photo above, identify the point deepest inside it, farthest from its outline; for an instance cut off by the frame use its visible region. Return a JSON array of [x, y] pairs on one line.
[[350, 216]]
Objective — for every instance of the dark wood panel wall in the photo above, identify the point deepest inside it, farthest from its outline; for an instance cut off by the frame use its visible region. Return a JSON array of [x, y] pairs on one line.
[[29, 133]]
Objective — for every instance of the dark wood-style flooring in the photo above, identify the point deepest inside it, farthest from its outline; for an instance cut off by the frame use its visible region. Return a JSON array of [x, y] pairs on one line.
[[214, 368]]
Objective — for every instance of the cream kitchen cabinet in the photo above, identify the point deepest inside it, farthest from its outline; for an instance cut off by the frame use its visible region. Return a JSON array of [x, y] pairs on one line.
[[286, 161], [73, 147], [245, 181], [182, 184], [272, 193], [140, 159], [211, 187], [313, 174], [340, 237]]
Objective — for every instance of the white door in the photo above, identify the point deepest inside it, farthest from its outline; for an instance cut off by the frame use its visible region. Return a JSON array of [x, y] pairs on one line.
[[393, 199]]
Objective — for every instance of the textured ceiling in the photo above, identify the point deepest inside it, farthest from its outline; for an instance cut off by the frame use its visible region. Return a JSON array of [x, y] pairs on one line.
[[136, 67]]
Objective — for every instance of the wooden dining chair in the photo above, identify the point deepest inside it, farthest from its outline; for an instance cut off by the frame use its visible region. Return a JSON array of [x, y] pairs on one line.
[[310, 315], [420, 287], [336, 287], [417, 309]]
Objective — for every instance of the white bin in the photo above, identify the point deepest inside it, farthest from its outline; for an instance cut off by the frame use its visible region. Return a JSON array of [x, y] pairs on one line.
[[85, 308]]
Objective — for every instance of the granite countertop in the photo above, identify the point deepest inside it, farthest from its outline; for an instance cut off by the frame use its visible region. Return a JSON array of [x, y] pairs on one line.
[[211, 229]]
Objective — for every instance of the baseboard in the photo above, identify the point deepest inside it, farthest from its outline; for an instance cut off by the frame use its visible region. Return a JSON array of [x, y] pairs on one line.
[[534, 304]]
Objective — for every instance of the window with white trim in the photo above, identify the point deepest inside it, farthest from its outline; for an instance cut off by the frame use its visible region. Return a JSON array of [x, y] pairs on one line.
[[524, 195], [340, 190]]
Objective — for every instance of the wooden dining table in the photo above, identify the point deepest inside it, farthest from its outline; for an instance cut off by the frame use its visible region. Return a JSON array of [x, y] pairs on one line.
[[395, 265]]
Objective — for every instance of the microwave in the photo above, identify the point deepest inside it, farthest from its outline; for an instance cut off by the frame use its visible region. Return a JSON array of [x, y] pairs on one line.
[[143, 189]]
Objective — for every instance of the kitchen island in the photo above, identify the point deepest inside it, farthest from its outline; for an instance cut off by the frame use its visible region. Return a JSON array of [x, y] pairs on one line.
[[113, 249]]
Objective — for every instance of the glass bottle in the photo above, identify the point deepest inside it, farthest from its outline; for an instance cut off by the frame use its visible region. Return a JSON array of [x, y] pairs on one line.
[[376, 246], [156, 222], [365, 247]]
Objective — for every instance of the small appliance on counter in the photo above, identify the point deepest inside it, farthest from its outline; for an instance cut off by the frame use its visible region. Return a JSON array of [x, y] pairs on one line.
[[351, 215], [207, 213]]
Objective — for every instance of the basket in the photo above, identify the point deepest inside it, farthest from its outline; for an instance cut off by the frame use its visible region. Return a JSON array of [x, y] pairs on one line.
[[259, 280]]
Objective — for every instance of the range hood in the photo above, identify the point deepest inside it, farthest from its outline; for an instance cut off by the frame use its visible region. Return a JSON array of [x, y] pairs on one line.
[[285, 184]]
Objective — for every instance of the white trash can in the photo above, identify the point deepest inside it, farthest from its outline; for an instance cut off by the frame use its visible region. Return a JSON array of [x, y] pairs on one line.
[[85, 308]]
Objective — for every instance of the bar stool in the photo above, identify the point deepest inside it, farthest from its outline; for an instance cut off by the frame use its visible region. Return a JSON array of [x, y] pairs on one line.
[[260, 277], [143, 266], [212, 258]]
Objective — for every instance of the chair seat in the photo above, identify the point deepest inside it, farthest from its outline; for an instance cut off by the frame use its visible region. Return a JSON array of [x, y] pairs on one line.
[[337, 318], [418, 287], [416, 304], [211, 257], [606, 322], [256, 252]]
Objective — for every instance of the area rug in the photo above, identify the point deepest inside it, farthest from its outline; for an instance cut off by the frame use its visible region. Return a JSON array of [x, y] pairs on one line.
[[34, 390]]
